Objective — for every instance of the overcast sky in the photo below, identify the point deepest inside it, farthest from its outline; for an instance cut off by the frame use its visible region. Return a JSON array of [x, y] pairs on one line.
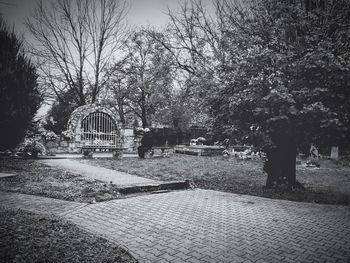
[[142, 12]]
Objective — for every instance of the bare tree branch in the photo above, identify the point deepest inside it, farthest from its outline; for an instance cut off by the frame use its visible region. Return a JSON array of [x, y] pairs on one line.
[[76, 40]]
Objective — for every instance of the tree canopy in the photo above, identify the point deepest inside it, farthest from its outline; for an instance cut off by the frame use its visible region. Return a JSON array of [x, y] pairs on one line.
[[277, 73], [289, 70], [143, 78]]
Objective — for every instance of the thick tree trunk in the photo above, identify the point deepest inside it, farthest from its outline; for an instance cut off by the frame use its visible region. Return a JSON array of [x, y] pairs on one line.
[[144, 121], [280, 166]]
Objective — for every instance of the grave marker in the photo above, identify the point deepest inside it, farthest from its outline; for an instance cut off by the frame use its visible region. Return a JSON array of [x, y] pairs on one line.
[[334, 152]]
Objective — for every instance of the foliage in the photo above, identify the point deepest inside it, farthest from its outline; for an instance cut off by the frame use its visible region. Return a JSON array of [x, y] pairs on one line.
[[193, 40], [288, 81], [50, 136], [176, 111], [144, 78], [68, 134], [19, 95], [277, 73], [33, 148], [183, 107], [288, 73], [118, 92], [59, 113]]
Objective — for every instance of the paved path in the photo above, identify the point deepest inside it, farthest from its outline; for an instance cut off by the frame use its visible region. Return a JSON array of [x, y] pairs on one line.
[[210, 226], [38, 204], [100, 173]]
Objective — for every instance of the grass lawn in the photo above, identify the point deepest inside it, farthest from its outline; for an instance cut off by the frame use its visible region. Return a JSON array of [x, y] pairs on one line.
[[35, 178], [27, 237], [328, 184]]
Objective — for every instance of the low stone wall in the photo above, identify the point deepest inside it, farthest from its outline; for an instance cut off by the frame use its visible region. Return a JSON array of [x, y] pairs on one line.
[[64, 146]]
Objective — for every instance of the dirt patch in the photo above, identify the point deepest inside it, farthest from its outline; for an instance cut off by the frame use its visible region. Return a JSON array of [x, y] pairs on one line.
[[28, 237], [38, 179], [329, 184]]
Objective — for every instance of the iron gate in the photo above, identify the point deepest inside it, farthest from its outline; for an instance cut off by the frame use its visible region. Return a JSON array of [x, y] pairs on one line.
[[99, 130]]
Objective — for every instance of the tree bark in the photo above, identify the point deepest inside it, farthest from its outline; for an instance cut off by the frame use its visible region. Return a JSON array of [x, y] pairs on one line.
[[143, 110], [121, 110], [144, 119], [280, 165]]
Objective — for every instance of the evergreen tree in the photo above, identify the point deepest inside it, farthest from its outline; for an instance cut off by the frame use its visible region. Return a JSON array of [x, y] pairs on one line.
[[60, 112], [19, 95]]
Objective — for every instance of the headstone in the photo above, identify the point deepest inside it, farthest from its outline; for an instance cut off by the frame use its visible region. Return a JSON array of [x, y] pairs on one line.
[[313, 152], [334, 152]]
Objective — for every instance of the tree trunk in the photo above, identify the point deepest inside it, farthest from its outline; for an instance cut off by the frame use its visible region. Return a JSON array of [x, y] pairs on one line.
[[143, 110], [280, 165], [121, 111], [144, 120]]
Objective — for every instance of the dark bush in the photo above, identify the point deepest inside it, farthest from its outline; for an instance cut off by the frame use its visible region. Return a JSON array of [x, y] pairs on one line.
[[19, 95]]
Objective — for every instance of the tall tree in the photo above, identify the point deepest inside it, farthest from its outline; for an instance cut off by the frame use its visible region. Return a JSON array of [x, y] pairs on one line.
[[195, 39], [279, 73], [117, 93], [19, 95], [288, 80], [148, 75], [75, 41]]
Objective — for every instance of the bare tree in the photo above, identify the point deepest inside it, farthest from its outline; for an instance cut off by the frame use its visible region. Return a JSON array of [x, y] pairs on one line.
[[74, 41], [195, 37]]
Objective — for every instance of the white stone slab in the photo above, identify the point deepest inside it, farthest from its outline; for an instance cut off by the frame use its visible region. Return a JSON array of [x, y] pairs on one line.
[[3, 175]]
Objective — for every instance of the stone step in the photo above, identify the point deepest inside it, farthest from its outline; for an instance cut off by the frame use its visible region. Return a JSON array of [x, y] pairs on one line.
[[157, 187]]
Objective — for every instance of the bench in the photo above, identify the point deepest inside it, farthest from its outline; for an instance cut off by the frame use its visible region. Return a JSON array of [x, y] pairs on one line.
[[88, 150]]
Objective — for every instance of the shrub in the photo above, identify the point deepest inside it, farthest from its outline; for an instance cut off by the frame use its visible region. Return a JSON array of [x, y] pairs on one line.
[[50, 136], [32, 148]]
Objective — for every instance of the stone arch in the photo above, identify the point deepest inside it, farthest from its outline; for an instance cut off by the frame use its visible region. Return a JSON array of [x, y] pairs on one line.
[[78, 115]]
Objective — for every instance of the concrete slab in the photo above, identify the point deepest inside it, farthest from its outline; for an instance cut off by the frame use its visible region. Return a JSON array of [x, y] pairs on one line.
[[4, 175], [99, 173]]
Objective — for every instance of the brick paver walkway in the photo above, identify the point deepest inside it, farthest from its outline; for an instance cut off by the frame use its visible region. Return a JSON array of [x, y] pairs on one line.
[[211, 226]]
